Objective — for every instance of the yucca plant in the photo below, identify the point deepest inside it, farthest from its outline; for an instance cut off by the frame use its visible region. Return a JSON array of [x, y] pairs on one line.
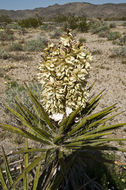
[[61, 144], [63, 120]]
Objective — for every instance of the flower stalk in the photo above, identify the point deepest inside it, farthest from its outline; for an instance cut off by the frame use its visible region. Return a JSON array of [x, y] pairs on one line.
[[63, 74]]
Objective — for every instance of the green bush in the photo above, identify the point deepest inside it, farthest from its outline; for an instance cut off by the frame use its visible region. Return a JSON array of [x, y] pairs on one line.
[[103, 28], [113, 35], [83, 26], [16, 47], [72, 22], [30, 22], [112, 25], [5, 19], [34, 45]]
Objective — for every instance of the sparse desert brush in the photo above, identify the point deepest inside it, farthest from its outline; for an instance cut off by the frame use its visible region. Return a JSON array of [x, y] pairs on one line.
[[30, 22], [114, 35], [34, 45], [102, 28], [119, 52], [103, 34], [121, 41], [13, 26], [15, 47], [4, 36], [83, 26], [72, 138]]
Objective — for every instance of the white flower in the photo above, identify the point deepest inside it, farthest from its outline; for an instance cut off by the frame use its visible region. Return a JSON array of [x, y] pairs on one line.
[[64, 69], [87, 65], [57, 116], [65, 41], [68, 111]]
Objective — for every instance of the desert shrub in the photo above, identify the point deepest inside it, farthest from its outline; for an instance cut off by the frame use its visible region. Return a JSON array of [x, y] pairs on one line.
[[83, 26], [113, 35], [44, 26], [13, 26], [119, 52], [4, 20], [103, 34], [4, 54], [99, 29], [112, 25], [16, 47], [73, 22], [5, 36], [30, 22], [121, 41], [34, 45], [60, 18]]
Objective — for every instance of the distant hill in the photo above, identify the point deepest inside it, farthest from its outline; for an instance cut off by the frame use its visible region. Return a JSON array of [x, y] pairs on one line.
[[78, 9]]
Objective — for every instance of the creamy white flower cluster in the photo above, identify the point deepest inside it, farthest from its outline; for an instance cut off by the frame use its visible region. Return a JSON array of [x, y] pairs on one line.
[[63, 75]]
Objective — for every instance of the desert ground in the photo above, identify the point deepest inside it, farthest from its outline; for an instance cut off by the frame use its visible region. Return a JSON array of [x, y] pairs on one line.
[[108, 70]]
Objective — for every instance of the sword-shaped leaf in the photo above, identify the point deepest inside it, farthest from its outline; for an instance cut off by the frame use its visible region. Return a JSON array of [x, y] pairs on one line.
[[33, 118], [2, 180], [10, 180], [25, 166], [89, 119], [25, 121], [36, 178], [28, 169], [22, 133], [106, 128], [40, 109]]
